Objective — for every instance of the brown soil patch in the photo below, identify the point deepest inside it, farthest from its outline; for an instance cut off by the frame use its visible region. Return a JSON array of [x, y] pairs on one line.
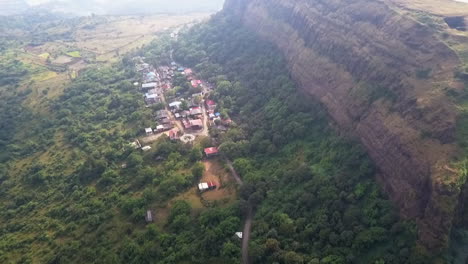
[[215, 172], [62, 60], [160, 216]]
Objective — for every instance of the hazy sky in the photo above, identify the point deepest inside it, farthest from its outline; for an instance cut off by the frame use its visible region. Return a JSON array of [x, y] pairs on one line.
[[129, 6]]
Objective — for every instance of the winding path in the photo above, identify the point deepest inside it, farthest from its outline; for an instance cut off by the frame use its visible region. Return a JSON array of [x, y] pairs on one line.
[[248, 219]]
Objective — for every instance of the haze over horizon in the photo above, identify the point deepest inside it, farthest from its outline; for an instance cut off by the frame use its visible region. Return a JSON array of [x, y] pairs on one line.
[[86, 7]]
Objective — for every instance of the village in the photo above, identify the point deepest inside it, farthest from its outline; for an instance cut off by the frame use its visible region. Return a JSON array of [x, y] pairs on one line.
[[184, 117], [180, 118]]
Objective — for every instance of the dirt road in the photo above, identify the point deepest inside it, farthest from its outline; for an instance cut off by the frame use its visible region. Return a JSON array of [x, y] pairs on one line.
[[233, 171], [152, 138], [246, 236], [248, 219]]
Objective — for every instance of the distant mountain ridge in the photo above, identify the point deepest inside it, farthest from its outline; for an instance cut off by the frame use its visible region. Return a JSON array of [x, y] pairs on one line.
[[12, 7]]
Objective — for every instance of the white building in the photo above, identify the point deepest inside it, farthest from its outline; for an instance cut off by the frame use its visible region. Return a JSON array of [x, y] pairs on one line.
[[150, 85], [146, 148]]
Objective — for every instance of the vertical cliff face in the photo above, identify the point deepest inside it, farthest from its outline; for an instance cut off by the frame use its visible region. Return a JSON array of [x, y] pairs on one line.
[[383, 77]]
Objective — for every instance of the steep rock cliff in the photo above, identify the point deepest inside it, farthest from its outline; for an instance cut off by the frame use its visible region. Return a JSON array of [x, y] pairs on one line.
[[383, 78]]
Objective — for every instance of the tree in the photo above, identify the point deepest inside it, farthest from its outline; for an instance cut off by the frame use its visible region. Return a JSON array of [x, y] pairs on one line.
[[92, 168], [179, 223], [205, 142], [108, 178], [230, 251], [196, 154], [224, 87], [134, 160], [198, 170], [179, 208], [243, 166], [184, 105], [272, 245], [292, 257], [198, 99], [333, 259], [3, 172]]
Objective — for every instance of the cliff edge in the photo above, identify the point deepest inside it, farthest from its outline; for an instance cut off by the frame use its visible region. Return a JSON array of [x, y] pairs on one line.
[[384, 78]]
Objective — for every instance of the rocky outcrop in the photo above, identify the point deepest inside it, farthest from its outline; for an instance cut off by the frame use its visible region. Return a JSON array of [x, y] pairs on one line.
[[383, 77]]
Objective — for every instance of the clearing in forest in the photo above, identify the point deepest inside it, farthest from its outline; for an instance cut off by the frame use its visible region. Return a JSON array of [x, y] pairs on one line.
[[74, 54], [215, 172]]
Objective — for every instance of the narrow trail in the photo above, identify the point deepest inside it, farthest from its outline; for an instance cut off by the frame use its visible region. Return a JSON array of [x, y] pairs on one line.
[[248, 219], [246, 236], [233, 171]]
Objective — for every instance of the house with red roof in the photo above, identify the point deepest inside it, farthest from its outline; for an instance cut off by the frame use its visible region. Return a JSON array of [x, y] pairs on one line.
[[206, 186], [211, 152], [188, 71], [186, 124], [210, 105], [195, 83], [196, 124], [195, 111], [174, 134]]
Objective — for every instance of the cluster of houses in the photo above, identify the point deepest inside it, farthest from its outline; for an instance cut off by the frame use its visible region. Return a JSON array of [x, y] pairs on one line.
[[155, 81], [189, 111], [222, 124]]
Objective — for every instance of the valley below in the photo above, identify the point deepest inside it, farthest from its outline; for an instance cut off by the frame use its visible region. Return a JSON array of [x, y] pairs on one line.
[[274, 131]]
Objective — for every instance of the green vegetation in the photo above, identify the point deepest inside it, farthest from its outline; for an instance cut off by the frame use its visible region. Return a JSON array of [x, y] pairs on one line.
[[461, 100], [423, 73], [45, 55], [11, 72], [21, 131], [74, 54], [313, 191], [68, 199], [76, 204], [367, 94]]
